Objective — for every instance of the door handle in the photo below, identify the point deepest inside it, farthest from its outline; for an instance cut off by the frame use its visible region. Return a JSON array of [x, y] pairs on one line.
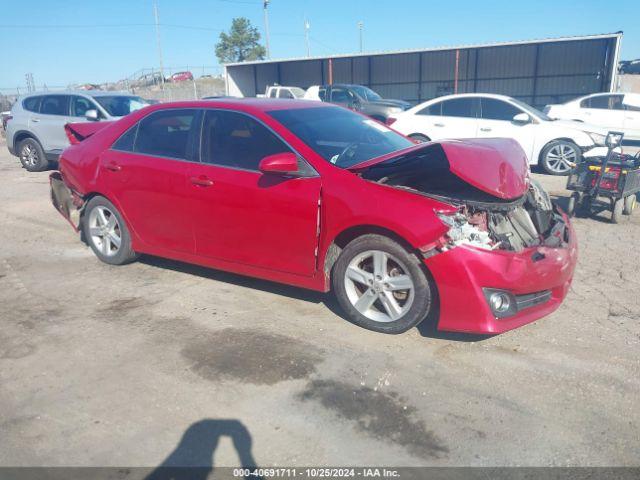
[[36, 120], [485, 129], [201, 181], [438, 124], [114, 167]]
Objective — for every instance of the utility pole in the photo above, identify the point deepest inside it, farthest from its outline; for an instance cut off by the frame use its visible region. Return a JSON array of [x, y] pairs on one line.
[[155, 14], [307, 26], [360, 27], [266, 27]]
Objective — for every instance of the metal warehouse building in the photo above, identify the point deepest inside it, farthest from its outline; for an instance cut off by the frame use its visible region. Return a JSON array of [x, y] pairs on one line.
[[537, 72]]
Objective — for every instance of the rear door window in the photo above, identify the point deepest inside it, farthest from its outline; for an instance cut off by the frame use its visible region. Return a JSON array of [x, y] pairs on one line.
[[273, 92], [168, 133], [235, 140], [32, 104], [55, 105], [493, 109], [285, 93], [459, 107]]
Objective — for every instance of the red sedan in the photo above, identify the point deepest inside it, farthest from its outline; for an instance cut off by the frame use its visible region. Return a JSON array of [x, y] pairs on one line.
[[320, 197]]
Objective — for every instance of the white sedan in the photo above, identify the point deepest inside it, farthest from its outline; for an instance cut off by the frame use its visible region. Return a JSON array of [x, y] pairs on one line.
[[555, 145], [613, 111]]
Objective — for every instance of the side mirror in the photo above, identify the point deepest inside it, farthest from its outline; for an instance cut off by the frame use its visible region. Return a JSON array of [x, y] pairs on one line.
[[522, 118], [91, 115], [280, 164], [631, 101]]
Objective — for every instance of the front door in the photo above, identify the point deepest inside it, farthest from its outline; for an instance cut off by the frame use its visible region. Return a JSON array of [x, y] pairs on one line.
[[496, 120], [242, 215]]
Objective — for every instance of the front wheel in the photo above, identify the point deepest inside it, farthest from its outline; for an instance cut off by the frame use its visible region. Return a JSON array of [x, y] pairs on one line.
[[380, 285], [559, 157], [617, 206], [107, 234]]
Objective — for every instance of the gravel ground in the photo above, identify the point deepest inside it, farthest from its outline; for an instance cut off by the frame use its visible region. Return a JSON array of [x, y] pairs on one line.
[[162, 363]]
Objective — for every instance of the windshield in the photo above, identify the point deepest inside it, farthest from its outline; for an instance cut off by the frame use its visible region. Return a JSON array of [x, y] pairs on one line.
[[120, 105], [531, 111], [340, 136], [366, 93]]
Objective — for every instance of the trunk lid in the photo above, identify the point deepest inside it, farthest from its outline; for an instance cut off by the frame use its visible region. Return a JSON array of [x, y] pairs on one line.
[[77, 132], [497, 167]]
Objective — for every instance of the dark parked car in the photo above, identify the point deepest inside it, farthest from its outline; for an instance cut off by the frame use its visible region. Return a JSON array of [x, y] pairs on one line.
[[359, 98]]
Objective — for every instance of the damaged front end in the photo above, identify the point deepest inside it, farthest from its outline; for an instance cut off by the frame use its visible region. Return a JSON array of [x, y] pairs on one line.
[[65, 200], [530, 222], [508, 255]]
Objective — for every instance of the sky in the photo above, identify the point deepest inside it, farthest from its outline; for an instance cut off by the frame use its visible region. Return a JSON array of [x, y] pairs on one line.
[[87, 41]]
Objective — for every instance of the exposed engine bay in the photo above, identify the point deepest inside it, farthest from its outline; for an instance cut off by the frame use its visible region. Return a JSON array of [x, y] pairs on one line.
[[532, 222], [482, 220]]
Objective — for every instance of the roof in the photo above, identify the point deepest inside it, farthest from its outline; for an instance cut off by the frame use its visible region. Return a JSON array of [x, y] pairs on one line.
[[89, 93], [247, 104], [420, 50]]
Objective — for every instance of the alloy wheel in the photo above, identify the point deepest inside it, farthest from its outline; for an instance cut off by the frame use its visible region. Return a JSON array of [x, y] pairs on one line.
[[561, 158], [29, 155], [104, 230], [379, 286]]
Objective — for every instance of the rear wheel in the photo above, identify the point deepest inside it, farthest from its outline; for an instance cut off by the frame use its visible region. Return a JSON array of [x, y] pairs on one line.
[[106, 232], [617, 206], [629, 204], [419, 138], [380, 285], [32, 155], [559, 157]]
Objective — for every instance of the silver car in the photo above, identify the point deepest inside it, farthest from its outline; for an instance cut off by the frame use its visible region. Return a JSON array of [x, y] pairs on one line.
[[35, 132]]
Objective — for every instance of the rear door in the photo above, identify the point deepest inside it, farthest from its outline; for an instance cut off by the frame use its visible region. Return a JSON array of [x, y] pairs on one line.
[[145, 171], [243, 216], [496, 120], [452, 118], [604, 110], [48, 123]]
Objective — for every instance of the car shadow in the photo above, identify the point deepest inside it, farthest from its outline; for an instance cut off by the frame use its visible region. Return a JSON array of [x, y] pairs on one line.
[[427, 328], [192, 459]]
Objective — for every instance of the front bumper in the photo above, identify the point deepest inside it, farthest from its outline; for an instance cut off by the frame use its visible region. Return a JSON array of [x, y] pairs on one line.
[[462, 272]]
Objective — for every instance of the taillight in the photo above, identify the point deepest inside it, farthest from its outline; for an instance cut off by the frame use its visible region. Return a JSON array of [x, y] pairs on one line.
[[390, 120]]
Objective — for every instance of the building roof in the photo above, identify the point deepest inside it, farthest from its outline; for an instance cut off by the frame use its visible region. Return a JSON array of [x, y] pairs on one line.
[[420, 50]]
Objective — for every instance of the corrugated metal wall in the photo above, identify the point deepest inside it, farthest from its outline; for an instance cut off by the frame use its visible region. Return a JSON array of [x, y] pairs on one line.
[[537, 73]]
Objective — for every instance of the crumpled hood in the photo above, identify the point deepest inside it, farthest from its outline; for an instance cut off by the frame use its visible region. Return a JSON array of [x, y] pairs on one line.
[[495, 166]]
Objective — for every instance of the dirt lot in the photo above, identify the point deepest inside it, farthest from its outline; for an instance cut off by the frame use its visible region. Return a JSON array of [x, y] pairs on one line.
[[160, 362]]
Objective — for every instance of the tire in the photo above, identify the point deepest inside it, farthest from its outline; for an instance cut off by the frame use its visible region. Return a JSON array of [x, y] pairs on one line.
[[418, 137], [32, 155], [556, 155], [617, 206], [629, 204], [384, 307], [573, 204], [101, 220]]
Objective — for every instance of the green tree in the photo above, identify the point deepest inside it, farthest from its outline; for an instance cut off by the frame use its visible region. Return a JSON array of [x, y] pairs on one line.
[[240, 44]]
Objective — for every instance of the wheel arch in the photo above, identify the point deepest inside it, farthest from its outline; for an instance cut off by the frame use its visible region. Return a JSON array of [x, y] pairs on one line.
[[87, 197], [564, 139], [352, 232], [21, 135]]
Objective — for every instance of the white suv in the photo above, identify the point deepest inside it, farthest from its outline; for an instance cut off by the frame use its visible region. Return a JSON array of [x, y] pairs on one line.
[[35, 129], [555, 145]]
